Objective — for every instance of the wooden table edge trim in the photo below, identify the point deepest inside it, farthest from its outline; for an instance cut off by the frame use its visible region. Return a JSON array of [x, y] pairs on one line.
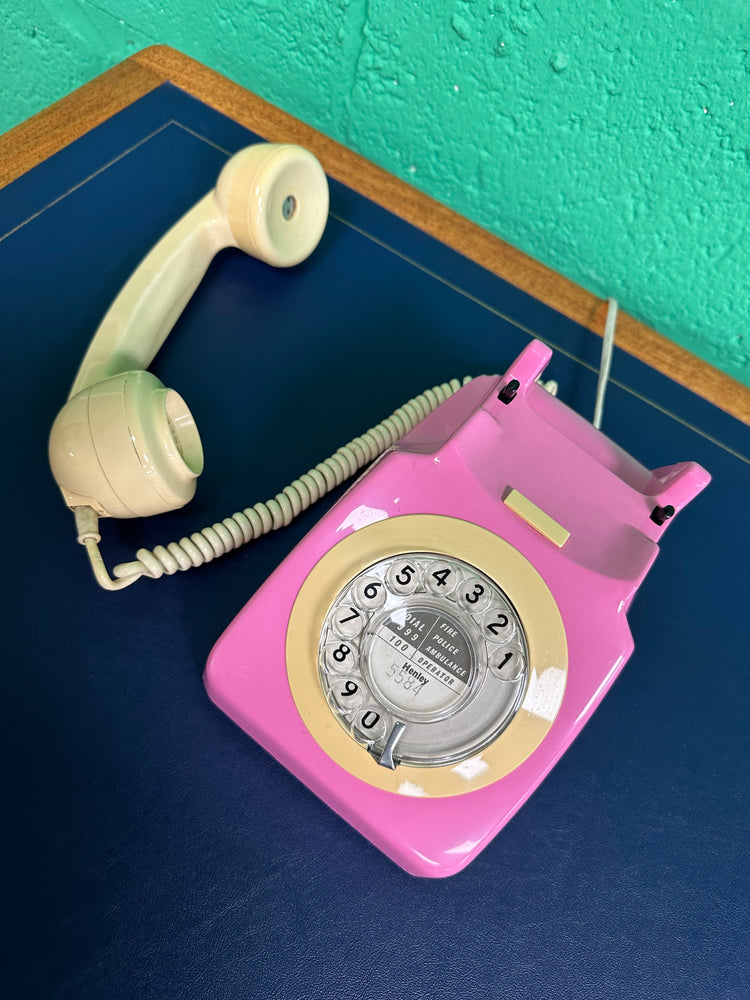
[[73, 116], [46, 133]]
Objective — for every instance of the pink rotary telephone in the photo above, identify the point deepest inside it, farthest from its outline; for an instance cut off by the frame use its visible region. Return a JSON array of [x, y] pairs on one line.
[[427, 653]]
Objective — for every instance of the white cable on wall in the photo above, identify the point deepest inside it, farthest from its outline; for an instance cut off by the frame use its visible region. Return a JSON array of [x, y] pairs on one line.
[[608, 344]]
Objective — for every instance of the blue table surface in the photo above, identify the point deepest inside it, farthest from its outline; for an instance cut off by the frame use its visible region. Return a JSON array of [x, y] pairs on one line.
[[152, 849]]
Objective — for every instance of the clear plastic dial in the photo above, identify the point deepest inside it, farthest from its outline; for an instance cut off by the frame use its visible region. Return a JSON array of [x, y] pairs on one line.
[[423, 660]]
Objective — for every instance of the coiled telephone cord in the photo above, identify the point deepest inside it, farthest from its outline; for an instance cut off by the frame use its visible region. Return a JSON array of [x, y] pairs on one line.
[[253, 522]]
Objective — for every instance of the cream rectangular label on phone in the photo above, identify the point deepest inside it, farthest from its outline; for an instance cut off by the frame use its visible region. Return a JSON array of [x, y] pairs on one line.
[[536, 518]]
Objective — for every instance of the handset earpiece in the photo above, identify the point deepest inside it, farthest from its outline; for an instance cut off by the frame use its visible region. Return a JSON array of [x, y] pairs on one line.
[[124, 445], [276, 202]]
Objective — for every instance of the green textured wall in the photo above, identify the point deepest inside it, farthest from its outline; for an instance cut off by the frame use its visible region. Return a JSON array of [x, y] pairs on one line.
[[608, 138]]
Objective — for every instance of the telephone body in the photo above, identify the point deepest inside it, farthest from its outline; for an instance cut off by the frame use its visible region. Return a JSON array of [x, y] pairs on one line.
[[427, 653]]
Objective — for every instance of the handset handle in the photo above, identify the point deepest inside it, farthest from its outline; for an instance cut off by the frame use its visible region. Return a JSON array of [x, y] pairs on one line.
[[270, 200], [141, 317], [124, 445]]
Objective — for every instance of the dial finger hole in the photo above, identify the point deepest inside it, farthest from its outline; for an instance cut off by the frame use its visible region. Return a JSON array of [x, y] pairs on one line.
[[341, 657], [370, 724], [348, 621], [348, 693], [498, 624], [403, 577], [369, 593], [507, 664], [474, 595], [440, 579]]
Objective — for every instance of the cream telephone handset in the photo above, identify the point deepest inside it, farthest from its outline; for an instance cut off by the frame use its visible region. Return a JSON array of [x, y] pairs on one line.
[[124, 445], [426, 654]]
